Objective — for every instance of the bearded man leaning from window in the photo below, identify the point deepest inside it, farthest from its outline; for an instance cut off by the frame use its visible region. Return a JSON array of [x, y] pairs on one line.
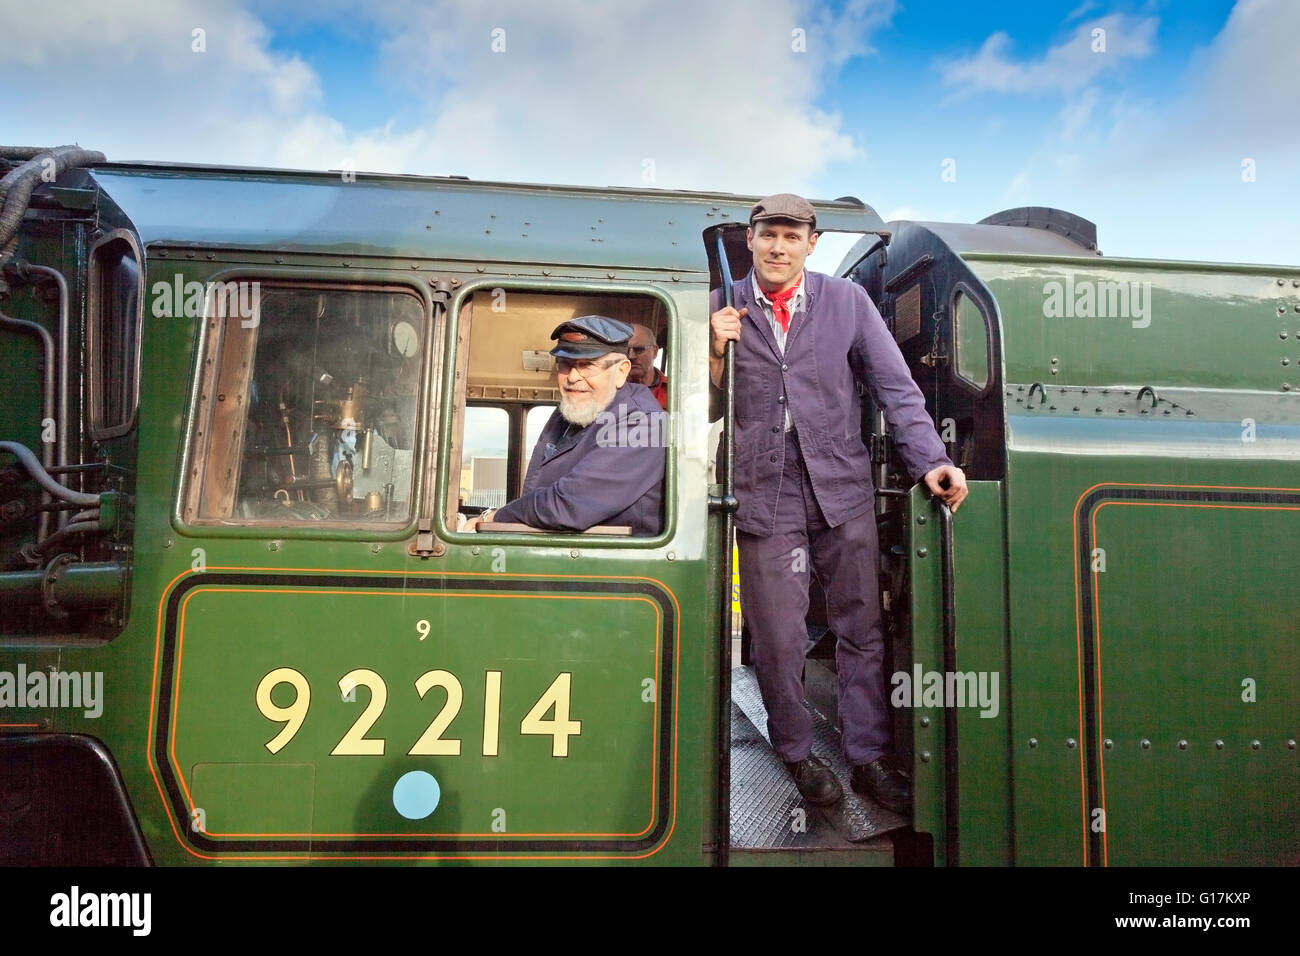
[[600, 458]]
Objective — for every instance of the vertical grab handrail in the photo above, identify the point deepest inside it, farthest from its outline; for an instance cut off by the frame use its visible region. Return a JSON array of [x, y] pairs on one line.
[[951, 795], [727, 505]]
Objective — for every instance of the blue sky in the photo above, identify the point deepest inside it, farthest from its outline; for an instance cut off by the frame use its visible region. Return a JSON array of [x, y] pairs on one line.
[[1173, 128]]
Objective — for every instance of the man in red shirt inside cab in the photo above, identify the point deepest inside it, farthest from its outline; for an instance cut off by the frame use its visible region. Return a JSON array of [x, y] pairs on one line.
[[643, 351]]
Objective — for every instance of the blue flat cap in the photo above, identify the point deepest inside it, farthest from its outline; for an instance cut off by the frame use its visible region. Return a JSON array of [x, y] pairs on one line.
[[590, 336]]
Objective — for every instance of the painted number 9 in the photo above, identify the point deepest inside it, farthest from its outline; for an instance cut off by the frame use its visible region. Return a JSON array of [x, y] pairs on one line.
[[294, 714], [422, 628]]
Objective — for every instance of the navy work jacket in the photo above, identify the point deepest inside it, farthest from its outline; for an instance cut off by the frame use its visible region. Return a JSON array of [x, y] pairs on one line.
[[837, 341], [609, 473]]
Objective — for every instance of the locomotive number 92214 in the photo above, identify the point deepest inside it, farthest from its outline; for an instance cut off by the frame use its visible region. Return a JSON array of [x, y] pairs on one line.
[[554, 699]]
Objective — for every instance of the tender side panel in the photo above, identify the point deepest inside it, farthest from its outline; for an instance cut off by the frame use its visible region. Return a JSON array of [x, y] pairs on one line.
[[1184, 396], [1194, 651]]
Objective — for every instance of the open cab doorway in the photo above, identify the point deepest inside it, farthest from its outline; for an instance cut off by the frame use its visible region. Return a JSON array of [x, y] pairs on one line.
[[767, 820]]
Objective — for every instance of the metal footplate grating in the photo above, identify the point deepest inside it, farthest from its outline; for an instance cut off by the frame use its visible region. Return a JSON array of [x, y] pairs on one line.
[[763, 795], [766, 809]]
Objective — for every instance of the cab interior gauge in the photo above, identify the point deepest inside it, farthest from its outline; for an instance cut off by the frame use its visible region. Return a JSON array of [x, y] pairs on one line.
[[406, 340]]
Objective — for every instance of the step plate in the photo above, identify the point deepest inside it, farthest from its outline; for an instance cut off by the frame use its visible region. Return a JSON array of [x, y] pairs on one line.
[[761, 806], [766, 810]]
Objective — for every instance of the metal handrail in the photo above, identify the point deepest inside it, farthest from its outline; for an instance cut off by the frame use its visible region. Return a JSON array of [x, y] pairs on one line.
[[728, 504], [951, 796]]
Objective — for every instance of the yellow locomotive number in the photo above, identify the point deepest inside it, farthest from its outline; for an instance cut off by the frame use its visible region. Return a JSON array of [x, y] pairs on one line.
[[560, 727], [355, 742], [431, 742], [294, 714], [491, 713], [555, 700]]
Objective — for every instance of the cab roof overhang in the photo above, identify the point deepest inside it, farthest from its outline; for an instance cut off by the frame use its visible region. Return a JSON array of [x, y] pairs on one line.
[[428, 217]]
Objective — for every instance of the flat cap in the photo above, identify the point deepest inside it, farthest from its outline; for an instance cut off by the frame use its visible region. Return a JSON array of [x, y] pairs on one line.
[[590, 336], [784, 206]]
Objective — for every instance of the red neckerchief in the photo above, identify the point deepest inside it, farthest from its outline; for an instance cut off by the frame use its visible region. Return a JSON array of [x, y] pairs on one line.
[[780, 304]]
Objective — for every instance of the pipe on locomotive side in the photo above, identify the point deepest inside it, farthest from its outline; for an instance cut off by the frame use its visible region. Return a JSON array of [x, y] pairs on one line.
[[43, 477], [24, 327], [75, 586], [16, 190], [67, 534], [65, 332]]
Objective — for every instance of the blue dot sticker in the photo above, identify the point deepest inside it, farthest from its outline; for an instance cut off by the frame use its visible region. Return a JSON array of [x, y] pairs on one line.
[[416, 794]]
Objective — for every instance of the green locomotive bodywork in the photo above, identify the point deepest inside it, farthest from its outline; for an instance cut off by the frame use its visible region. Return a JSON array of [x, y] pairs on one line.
[[563, 689]]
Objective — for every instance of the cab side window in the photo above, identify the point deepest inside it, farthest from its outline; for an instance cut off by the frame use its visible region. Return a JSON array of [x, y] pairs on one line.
[[309, 408], [505, 386], [970, 342], [113, 339]]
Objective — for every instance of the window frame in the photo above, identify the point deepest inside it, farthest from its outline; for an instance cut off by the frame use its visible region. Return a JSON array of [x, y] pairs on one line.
[[962, 290], [96, 427], [208, 345], [453, 394]]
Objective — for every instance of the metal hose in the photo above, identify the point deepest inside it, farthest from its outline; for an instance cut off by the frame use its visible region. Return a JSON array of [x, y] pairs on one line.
[[21, 152], [28, 461], [16, 188], [56, 539]]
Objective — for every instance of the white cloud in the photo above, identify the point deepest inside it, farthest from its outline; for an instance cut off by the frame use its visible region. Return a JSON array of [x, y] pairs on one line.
[[126, 79], [1069, 65], [1077, 113], [1246, 81], [1019, 191], [701, 94], [712, 93], [1239, 94], [1086, 7], [1162, 177]]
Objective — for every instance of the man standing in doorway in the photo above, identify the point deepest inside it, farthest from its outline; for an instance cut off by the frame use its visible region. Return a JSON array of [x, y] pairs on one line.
[[804, 341]]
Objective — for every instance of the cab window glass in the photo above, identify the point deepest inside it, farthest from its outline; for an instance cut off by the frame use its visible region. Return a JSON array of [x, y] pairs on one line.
[[506, 382], [483, 474], [308, 411], [113, 352], [970, 342], [538, 416]]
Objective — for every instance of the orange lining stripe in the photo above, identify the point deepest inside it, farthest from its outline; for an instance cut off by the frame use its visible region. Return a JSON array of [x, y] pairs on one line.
[[1078, 652], [176, 766]]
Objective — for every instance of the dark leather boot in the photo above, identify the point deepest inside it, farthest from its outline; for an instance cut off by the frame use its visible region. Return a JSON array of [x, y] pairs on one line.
[[816, 781], [882, 782]]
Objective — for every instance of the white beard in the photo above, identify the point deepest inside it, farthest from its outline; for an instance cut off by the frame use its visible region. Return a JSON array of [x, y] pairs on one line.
[[582, 417], [582, 413]]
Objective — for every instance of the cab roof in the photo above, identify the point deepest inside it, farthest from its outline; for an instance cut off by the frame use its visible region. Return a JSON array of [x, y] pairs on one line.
[[1024, 240], [433, 217], [1024, 230]]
